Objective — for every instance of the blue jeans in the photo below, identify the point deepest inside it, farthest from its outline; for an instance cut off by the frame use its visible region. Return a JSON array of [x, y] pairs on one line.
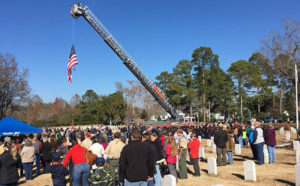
[[272, 156], [240, 141], [259, 148], [230, 158], [138, 183], [37, 162], [150, 182], [245, 142], [157, 176], [82, 171], [28, 170]]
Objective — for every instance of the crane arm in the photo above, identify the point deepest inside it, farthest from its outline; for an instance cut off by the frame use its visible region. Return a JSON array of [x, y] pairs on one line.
[[80, 10]]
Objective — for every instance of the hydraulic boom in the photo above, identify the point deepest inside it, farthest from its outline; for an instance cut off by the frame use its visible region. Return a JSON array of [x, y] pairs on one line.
[[80, 10]]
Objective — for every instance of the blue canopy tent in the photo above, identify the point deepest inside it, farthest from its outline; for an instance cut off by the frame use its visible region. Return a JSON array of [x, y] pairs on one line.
[[11, 126]]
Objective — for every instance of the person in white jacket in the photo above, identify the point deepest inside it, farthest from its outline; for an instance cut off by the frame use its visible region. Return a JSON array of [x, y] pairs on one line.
[[258, 138]]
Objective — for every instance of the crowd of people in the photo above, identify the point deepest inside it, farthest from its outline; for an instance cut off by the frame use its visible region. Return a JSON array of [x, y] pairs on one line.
[[125, 155]]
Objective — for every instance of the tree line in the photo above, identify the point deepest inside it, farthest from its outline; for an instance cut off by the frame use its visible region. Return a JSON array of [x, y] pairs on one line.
[[263, 84]]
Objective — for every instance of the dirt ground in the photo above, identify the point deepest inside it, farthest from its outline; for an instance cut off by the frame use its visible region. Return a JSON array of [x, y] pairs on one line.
[[279, 173]]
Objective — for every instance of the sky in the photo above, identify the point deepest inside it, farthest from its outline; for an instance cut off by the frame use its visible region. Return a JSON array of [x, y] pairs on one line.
[[156, 33]]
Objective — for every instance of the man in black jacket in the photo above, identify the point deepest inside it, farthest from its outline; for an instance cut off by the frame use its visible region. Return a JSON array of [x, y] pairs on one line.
[[136, 161], [220, 140]]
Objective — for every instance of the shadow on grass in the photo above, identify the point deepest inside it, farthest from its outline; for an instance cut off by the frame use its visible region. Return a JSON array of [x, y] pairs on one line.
[[285, 182], [235, 159], [287, 163], [205, 170], [238, 175]]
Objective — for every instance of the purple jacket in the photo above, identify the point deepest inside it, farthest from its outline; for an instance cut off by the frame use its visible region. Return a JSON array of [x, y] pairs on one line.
[[270, 137]]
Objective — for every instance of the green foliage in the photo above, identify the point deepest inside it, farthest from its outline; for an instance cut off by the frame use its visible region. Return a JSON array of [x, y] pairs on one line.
[[144, 115]]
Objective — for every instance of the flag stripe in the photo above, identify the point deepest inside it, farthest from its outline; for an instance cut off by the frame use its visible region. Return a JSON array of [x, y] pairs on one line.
[[71, 62]]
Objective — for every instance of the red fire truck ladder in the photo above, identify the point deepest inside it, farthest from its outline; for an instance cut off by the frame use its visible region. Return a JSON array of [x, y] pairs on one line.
[[80, 10]]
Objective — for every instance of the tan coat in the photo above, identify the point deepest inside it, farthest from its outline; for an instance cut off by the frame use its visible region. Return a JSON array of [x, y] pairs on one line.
[[114, 149], [27, 154], [86, 143], [230, 143]]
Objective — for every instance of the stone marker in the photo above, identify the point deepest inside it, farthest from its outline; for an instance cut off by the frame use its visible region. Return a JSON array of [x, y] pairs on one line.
[[281, 131], [127, 140], [298, 156], [214, 148], [296, 145], [249, 170], [293, 130], [288, 136], [170, 180], [237, 149], [208, 142], [217, 185], [201, 153], [297, 173], [199, 138], [266, 156], [212, 139], [212, 165]]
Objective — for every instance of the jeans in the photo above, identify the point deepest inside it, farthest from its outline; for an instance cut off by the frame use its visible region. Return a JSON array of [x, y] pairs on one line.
[[82, 171], [230, 158], [172, 169], [196, 166], [11, 184], [240, 141], [37, 162], [157, 176], [253, 151], [221, 156], [138, 183], [150, 182], [259, 148], [272, 156], [245, 142], [28, 170], [47, 166]]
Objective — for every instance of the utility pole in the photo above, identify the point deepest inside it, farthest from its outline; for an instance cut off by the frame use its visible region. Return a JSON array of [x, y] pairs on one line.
[[296, 84], [241, 109]]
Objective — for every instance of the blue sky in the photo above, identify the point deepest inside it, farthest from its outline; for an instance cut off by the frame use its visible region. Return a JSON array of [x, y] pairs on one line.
[[156, 33]]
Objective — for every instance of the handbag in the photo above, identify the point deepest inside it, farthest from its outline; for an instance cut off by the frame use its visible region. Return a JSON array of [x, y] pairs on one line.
[[90, 157]]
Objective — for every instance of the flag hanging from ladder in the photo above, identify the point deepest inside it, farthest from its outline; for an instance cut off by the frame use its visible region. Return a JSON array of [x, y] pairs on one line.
[[71, 62]]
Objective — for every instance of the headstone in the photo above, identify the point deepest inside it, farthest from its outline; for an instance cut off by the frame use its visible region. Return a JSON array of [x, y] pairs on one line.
[[208, 142], [293, 130], [127, 140], [237, 149], [296, 145], [249, 170], [266, 156], [265, 147], [201, 153], [281, 131], [199, 138], [288, 136], [212, 165], [214, 148], [297, 173], [212, 139], [217, 185], [298, 156], [170, 180]]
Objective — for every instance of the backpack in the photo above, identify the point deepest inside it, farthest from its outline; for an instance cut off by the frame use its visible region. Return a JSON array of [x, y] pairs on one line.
[[100, 177], [251, 140]]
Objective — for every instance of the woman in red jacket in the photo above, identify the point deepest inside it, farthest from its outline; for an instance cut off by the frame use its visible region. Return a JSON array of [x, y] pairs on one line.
[[171, 152], [81, 168], [194, 146]]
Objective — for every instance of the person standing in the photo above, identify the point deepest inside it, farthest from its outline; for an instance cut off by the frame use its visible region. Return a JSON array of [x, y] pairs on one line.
[[182, 143], [36, 145], [258, 138], [270, 139], [46, 153], [230, 146], [81, 168], [160, 158], [87, 142], [136, 162], [220, 141], [171, 152], [27, 156], [194, 146], [114, 150], [9, 163]]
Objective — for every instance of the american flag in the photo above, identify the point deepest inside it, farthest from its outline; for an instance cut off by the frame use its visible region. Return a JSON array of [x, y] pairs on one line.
[[71, 62]]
